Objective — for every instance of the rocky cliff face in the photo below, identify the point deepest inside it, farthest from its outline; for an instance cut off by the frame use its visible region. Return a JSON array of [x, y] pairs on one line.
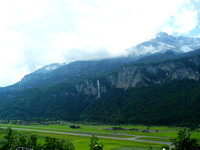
[[144, 75], [90, 87], [160, 73], [162, 47]]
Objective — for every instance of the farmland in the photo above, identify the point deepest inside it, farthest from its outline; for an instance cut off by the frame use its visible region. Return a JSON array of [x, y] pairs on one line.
[[140, 137]]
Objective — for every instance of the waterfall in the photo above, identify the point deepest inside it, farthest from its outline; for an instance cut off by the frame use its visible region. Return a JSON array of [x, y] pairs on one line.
[[98, 89]]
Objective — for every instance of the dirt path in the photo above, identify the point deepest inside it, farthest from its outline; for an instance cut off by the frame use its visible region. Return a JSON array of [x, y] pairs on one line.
[[87, 135]]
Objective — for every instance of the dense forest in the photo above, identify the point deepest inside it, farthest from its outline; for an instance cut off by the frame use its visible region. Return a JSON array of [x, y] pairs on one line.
[[175, 103], [166, 93]]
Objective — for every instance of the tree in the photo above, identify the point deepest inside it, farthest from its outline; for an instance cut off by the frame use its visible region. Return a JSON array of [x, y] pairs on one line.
[[50, 143], [10, 142], [150, 147], [55, 144], [184, 142], [21, 140], [94, 145], [65, 145], [32, 143]]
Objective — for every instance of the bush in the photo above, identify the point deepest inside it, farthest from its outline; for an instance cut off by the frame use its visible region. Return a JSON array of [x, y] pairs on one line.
[[94, 145], [15, 141], [184, 142]]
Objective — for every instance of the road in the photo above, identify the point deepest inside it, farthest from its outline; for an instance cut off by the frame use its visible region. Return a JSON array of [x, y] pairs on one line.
[[87, 135]]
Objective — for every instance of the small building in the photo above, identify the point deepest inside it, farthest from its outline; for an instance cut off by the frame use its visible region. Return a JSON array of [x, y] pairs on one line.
[[145, 131]]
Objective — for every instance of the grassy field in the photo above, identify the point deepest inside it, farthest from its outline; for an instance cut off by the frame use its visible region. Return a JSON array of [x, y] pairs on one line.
[[82, 142], [154, 139]]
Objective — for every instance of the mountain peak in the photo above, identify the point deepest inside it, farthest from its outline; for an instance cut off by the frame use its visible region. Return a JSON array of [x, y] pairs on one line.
[[164, 42], [48, 68], [162, 34]]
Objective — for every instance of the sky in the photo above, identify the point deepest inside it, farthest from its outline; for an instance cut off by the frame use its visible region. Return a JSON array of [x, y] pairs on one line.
[[35, 33]]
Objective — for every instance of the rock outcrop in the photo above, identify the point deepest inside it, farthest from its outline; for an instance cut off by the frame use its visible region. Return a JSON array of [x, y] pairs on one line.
[[144, 75], [160, 73]]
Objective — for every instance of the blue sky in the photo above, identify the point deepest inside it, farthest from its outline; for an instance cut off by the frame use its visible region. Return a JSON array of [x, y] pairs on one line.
[[40, 32]]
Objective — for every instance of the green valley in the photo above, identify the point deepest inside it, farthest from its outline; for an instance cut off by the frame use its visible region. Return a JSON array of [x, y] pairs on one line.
[[128, 138]]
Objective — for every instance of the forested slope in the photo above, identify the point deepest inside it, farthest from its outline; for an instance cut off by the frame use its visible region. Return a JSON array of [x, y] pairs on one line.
[[166, 93]]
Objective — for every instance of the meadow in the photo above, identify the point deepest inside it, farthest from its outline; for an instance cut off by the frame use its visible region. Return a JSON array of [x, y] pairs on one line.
[[112, 139]]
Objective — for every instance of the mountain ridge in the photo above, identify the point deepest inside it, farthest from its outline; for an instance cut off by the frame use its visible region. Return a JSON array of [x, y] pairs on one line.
[[164, 42], [78, 70], [160, 88], [119, 90]]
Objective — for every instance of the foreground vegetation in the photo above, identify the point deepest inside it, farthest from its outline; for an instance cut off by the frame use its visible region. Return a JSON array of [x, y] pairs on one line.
[[17, 141], [13, 141], [184, 142], [81, 141]]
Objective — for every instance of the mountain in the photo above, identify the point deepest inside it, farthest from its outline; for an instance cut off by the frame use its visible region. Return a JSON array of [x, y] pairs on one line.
[[164, 42], [72, 72], [48, 69], [162, 47], [156, 88], [162, 93]]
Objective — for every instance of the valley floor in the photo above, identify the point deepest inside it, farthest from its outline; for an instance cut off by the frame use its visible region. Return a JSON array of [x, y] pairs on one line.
[[112, 139]]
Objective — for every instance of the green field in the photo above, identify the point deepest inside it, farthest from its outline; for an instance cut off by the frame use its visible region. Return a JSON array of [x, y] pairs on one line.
[[81, 142]]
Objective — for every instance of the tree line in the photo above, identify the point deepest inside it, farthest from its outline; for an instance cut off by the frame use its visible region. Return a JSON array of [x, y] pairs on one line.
[[14, 141], [17, 141], [168, 104]]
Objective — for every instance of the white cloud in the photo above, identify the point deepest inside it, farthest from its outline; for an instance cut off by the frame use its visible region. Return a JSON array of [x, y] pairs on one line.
[[12, 42], [11, 49], [129, 22], [15, 12], [186, 21], [185, 48], [70, 48], [40, 32]]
